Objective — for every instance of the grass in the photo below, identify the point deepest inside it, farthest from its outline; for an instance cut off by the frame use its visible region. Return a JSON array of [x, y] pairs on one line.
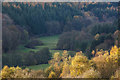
[[50, 42], [38, 67]]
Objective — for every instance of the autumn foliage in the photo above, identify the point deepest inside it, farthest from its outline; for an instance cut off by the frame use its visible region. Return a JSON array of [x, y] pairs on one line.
[[104, 64]]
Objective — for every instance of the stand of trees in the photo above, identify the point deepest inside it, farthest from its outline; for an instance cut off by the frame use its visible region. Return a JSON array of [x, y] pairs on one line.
[[54, 18], [13, 35], [100, 36], [27, 59]]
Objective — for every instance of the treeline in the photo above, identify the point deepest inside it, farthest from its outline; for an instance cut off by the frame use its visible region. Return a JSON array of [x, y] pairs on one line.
[[96, 37], [26, 59], [54, 18]]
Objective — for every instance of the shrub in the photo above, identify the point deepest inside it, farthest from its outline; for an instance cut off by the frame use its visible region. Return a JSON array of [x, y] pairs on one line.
[[14, 72], [65, 70], [57, 64], [52, 75], [116, 75], [79, 65], [33, 43], [48, 70], [107, 64], [104, 64], [17, 72], [37, 74], [91, 74], [42, 56]]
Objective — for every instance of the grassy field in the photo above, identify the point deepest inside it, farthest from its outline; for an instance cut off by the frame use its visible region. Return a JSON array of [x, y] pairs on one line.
[[37, 67], [50, 42]]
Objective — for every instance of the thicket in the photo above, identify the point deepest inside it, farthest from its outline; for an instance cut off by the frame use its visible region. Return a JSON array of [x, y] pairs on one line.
[[33, 42]]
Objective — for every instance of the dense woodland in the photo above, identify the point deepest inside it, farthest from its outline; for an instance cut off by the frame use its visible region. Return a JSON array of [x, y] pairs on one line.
[[58, 14], [56, 18], [89, 29]]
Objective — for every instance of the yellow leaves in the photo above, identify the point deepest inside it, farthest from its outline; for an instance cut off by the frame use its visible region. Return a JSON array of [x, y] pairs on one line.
[[65, 70], [6, 72], [99, 53], [70, 58], [91, 73], [116, 75], [114, 50], [106, 53], [56, 67], [79, 53], [48, 70], [65, 51], [114, 53], [107, 59], [105, 62], [9, 72], [18, 68], [5, 67], [52, 75], [56, 58], [96, 36], [93, 52], [76, 17], [17, 72], [79, 65], [111, 56], [56, 55], [64, 55]]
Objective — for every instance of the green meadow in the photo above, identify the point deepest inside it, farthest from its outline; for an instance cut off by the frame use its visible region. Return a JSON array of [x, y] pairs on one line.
[[48, 41], [37, 67]]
